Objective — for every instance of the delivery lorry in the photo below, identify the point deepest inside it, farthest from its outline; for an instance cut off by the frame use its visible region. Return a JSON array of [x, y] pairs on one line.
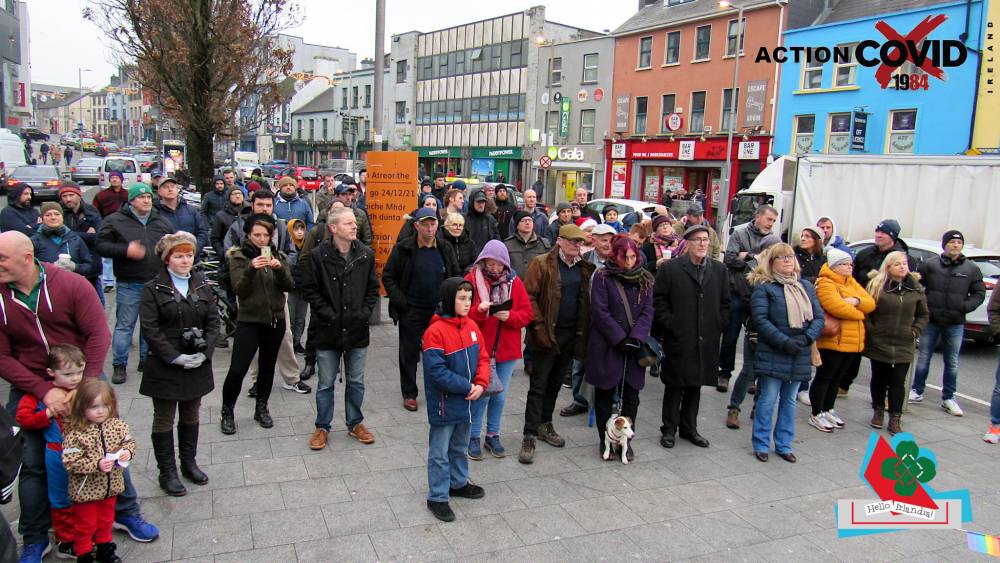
[[927, 195]]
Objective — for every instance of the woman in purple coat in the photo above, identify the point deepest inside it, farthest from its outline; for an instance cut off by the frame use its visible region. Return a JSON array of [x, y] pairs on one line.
[[618, 327]]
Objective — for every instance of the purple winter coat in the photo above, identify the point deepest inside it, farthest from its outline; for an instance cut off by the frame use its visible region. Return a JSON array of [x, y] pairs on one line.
[[609, 326]]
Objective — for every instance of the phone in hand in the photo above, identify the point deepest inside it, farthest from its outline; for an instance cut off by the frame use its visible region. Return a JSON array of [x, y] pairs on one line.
[[266, 253], [505, 306]]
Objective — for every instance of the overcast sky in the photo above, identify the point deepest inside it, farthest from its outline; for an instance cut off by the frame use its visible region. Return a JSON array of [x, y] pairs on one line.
[[63, 42]]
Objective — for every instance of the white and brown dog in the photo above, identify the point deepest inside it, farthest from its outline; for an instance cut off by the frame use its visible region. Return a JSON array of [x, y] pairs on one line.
[[617, 433]]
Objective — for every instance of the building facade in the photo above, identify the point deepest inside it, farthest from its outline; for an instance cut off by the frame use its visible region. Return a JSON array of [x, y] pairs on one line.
[[841, 107]]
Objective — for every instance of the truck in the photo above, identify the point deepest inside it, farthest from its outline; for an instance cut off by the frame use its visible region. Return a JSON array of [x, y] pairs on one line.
[[927, 194], [246, 162]]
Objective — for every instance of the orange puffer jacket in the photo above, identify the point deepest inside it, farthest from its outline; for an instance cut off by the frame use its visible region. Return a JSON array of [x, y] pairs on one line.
[[832, 288]]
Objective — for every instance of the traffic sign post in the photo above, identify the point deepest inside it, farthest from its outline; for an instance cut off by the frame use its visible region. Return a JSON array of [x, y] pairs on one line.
[[544, 161]]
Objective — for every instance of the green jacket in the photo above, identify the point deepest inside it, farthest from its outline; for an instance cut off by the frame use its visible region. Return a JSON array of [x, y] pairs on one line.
[[899, 317], [260, 294]]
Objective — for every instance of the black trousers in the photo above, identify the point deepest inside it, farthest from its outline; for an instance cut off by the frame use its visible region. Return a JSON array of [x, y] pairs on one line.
[[411, 333], [680, 410], [164, 409], [603, 401], [311, 330], [851, 373], [889, 379], [546, 381], [823, 391], [248, 339]]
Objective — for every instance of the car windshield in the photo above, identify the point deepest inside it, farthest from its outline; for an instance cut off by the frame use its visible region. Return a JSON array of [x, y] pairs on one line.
[[89, 162], [309, 175], [89, 141], [145, 156], [989, 265], [119, 165], [32, 172]]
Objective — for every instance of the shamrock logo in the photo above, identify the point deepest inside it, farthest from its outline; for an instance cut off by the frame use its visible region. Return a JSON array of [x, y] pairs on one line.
[[907, 468]]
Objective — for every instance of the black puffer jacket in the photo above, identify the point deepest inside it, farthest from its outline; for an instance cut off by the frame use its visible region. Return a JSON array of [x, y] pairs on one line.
[[870, 260], [810, 264], [342, 294], [482, 228], [954, 288], [122, 227], [461, 248], [221, 222], [213, 201]]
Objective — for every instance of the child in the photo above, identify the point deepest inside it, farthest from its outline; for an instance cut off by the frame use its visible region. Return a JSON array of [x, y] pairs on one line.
[[611, 218], [65, 368], [96, 449], [451, 348]]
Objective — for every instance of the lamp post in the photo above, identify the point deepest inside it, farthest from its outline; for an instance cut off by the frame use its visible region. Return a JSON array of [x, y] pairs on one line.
[[724, 197], [79, 111]]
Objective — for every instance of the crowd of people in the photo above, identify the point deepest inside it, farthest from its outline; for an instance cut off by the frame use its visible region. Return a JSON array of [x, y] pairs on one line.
[[476, 281]]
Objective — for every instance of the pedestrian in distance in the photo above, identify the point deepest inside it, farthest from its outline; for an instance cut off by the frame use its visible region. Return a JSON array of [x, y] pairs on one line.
[[456, 240], [112, 198], [787, 318], [214, 200], [891, 331], [68, 153], [44, 150], [223, 219], [505, 211], [20, 215], [954, 289], [456, 372]]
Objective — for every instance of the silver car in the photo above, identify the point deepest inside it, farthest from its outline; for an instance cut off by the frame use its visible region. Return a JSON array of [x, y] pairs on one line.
[[87, 171]]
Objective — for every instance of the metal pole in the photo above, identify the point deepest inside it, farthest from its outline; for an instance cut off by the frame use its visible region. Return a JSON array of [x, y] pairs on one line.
[[726, 187], [379, 68]]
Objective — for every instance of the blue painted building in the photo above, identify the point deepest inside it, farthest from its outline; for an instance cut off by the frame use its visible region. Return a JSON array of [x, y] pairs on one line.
[[817, 101]]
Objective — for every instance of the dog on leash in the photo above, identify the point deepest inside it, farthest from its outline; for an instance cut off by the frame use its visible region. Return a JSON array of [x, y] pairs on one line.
[[617, 433]]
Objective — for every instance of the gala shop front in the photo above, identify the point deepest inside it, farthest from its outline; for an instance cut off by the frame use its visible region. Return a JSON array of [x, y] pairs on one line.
[[652, 169]]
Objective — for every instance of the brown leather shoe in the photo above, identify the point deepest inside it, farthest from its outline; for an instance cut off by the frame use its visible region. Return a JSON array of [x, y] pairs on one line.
[[410, 405], [362, 434], [318, 439]]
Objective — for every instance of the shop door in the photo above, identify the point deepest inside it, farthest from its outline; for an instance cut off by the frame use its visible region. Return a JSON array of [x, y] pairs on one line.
[[567, 185], [501, 166], [652, 182]]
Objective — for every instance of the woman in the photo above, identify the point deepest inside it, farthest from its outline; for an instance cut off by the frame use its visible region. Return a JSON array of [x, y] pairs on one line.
[[788, 318], [501, 308], [891, 331], [57, 244], [454, 202], [845, 304], [810, 254], [457, 240], [260, 279], [621, 309], [663, 244], [224, 219], [177, 312], [298, 309]]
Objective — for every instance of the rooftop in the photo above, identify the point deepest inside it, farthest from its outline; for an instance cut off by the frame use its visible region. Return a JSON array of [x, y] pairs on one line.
[[844, 10]]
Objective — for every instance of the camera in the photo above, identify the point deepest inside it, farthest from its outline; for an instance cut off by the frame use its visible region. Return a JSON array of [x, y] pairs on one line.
[[193, 340]]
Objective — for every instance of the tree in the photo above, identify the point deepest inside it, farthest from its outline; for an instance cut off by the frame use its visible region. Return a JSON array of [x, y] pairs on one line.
[[202, 60]]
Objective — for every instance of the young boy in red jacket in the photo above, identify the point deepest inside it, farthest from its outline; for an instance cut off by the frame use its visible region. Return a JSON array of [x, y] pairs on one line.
[[456, 372]]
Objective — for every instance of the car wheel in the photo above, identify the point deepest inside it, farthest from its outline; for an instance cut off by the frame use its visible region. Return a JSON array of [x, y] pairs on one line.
[[986, 340]]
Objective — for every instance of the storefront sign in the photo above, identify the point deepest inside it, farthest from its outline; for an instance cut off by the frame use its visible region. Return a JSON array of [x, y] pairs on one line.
[[674, 121], [753, 108], [618, 150], [564, 119], [509, 153], [618, 179], [598, 94], [392, 189], [565, 153], [439, 152], [859, 130], [581, 96], [622, 102], [749, 150], [686, 151]]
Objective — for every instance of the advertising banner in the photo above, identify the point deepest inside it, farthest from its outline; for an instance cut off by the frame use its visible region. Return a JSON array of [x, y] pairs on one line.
[[392, 192]]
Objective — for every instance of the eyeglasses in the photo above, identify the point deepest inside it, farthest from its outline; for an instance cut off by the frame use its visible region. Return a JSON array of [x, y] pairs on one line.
[[698, 240], [785, 258]]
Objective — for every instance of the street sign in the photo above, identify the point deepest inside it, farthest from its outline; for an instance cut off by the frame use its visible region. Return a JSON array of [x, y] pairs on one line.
[[544, 161], [859, 130], [598, 94], [673, 121]]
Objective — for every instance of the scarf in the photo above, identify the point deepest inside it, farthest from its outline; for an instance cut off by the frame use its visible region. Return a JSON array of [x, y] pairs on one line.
[[636, 276], [56, 234], [662, 244], [796, 301], [493, 288]]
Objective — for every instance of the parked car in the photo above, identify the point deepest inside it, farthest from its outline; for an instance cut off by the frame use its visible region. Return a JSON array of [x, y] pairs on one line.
[[34, 134], [87, 171], [307, 177], [43, 179], [977, 325], [67, 139], [148, 161], [88, 144], [104, 149], [127, 165], [272, 167]]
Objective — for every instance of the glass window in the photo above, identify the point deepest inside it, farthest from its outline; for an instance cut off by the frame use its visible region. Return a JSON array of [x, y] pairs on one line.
[[590, 68], [702, 42], [324, 129], [442, 65], [476, 109], [555, 71], [368, 95], [460, 62], [667, 105], [640, 114], [478, 56], [426, 112], [298, 129], [839, 135], [400, 113], [466, 110], [697, 124], [496, 57], [517, 54], [427, 64], [400, 72], [645, 51], [456, 111], [494, 114], [731, 37], [727, 104], [844, 72], [505, 55], [343, 102], [311, 130], [354, 97], [805, 126], [812, 75], [588, 120], [552, 124], [672, 53], [441, 111], [902, 130]]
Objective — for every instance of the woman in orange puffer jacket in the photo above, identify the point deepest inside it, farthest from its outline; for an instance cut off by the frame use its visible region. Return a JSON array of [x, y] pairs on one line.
[[845, 303]]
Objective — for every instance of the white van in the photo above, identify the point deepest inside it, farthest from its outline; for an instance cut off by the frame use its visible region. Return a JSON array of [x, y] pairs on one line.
[[128, 166], [11, 152]]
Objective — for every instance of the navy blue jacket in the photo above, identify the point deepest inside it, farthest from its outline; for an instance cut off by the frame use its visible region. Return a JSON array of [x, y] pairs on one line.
[[23, 219], [87, 216], [88, 264], [770, 318], [294, 209], [453, 361], [186, 218]]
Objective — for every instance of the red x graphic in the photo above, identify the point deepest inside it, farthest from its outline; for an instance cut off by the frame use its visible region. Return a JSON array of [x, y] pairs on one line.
[[923, 29]]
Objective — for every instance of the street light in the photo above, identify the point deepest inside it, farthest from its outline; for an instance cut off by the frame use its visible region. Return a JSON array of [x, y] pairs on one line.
[[724, 198], [79, 110]]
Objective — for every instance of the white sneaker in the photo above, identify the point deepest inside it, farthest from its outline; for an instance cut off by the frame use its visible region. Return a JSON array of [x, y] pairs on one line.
[[832, 418], [952, 407], [803, 397], [915, 397], [819, 423]]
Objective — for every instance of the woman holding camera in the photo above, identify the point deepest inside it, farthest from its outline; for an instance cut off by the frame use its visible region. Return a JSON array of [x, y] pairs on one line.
[[177, 312]]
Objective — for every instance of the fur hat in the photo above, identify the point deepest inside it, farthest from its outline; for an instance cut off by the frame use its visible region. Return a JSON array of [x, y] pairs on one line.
[[169, 243]]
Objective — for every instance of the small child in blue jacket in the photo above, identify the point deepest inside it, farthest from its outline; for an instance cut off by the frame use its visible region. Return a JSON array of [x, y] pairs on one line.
[[456, 372]]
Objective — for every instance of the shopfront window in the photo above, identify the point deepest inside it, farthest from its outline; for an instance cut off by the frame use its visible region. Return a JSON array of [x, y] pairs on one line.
[[805, 126], [651, 183], [839, 136]]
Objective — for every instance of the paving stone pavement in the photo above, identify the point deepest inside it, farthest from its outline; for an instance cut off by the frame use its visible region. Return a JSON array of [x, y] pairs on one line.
[[271, 498]]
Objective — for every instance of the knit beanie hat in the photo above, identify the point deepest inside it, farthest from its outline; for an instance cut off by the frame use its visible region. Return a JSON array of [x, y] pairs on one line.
[[890, 227], [69, 187], [287, 181], [181, 241], [137, 189], [659, 220], [49, 206], [520, 215], [953, 234], [816, 233], [835, 257]]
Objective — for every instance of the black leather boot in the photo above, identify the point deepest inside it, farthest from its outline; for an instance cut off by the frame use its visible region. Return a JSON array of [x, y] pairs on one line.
[[106, 553], [261, 415], [187, 447], [163, 449], [228, 423]]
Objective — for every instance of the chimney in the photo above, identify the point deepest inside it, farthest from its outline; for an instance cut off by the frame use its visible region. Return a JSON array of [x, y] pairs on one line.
[[644, 3]]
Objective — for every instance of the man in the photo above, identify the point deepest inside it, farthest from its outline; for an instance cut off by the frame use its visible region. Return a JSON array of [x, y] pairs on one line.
[[128, 237], [44, 304], [830, 236], [412, 277], [69, 155], [601, 235], [695, 215], [289, 205], [229, 177], [954, 289], [44, 149], [539, 184], [20, 215], [523, 244], [362, 198], [154, 181], [84, 220], [691, 305], [505, 211], [345, 193], [341, 287], [536, 212], [111, 199], [481, 226], [564, 216], [262, 201], [743, 246], [580, 199], [182, 216], [558, 285], [439, 186], [214, 200], [325, 194], [870, 259]]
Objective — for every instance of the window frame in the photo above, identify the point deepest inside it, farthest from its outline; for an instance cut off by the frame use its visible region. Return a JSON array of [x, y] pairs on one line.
[[831, 134], [584, 127], [796, 133], [649, 54], [742, 34], [401, 71], [676, 48], [401, 116], [664, 113], [708, 48], [891, 130], [644, 114], [553, 71], [807, 71], [726, 108], [851, 66], [595, 68], [704, 105], [355, 97], [368, 95]]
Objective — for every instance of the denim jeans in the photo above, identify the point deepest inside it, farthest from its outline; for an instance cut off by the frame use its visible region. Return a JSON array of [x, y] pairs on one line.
[[577, 373], [32, 486], [746, 376], [108, 275], [328, 364], [126, 317], [995, 400], [492, 405], [769, 390], [727, 350], [951, 342], [447, 464]]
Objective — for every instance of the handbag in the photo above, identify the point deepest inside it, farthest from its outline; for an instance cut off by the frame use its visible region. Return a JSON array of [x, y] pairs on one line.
[[831, 325], [650, 351], [496, 386]]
